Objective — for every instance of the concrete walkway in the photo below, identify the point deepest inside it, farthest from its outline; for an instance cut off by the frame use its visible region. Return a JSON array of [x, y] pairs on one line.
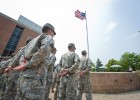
[[135, 95]]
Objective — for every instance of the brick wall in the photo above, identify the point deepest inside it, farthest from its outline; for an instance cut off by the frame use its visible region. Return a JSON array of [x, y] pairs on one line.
[[7, 26], [114, 82]]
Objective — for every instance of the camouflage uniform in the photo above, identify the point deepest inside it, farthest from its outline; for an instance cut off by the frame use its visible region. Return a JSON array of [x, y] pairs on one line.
[[67, 89], [50, 61], [19, 92], [2, 83], [54, 79], [84, 84], [4, 77], [1, 75], [12, 77], [2, 63], [57, 81], [32, 80], [1, 86], [1, 66]]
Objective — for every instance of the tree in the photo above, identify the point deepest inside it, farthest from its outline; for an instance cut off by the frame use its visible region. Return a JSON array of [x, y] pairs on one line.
[[130, 59], [136, 62], [98, 64], [110, 63], [93, 67]]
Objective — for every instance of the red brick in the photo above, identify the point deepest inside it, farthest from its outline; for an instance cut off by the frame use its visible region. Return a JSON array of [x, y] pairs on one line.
[[7, 26]]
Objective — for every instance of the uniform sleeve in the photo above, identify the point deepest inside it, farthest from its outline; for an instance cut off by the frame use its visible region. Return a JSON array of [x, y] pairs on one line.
[[60, 63], [14, 62], [5, 65], [89, 63], [52, 61], [75, 66], [15, 59], [42, 53]]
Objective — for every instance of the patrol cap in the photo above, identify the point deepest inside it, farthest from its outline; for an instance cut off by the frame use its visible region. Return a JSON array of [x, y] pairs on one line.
[[71, 45], [83, 52], [48, 26]]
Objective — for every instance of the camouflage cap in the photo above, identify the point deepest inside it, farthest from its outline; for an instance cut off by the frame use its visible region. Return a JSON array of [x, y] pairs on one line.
[[71, 45], [48, 26], [83, 52]]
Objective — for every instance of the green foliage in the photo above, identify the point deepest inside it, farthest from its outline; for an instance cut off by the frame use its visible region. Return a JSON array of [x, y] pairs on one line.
[[93, 70], [130, 59], [93, 67], [127, 59], [98, 64], [137, 62], [110, 63]]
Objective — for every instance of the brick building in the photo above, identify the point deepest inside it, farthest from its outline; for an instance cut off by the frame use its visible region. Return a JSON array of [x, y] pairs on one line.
[[13, 33]]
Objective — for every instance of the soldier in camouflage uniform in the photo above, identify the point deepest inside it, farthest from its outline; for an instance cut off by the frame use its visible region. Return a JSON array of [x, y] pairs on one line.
[[3, 78], [54, 78], [2, 62], [50, 61], [56, 83], [69, 64], [32, 80], [84, 84], [12, 76]]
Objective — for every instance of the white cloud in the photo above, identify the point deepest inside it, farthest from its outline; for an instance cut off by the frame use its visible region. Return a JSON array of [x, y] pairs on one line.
[[134, 35], [107, 39], [111, 26]]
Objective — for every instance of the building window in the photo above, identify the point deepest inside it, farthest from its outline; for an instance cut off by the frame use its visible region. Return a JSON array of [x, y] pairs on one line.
[[13, 41]]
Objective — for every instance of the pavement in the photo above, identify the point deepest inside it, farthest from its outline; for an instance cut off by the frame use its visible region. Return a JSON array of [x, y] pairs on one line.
[[135, 95]]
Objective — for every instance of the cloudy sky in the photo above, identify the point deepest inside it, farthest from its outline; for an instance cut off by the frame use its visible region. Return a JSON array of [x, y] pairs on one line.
[[113, 25]]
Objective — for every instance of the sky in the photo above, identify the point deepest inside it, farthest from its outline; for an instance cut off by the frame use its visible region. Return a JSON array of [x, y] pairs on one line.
[[113, 25]]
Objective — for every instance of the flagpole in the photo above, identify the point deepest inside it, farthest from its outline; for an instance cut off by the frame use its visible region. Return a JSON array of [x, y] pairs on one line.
[[87, 35]]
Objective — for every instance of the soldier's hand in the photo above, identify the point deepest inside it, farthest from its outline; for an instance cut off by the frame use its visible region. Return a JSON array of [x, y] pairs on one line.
[[81, 73], [20, 68], [64, 72], [8, 69], [86, 71]]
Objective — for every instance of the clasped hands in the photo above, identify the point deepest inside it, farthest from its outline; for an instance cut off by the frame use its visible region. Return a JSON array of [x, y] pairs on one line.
[[21, 67], [64, 72]]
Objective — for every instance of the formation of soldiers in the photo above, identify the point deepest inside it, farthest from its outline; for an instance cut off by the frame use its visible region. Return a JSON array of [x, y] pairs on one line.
[[31, 73]]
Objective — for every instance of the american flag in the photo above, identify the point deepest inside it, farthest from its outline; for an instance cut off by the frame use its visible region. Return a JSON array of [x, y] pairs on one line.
[[80, 15]]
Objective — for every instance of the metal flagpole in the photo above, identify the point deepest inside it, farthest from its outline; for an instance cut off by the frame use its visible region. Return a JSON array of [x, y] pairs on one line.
[[87, 34], [88, 53]]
